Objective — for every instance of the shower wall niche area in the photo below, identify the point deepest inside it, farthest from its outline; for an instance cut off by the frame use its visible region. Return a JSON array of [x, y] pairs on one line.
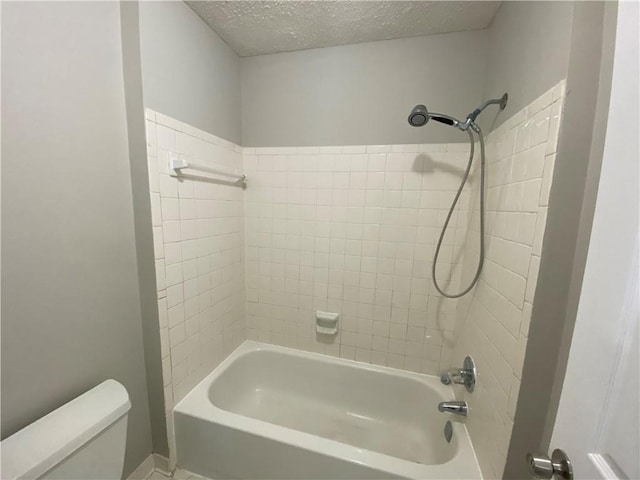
[[352, 230]]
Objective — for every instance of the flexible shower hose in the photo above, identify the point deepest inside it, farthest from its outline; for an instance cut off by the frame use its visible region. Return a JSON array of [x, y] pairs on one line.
[[451, 210]]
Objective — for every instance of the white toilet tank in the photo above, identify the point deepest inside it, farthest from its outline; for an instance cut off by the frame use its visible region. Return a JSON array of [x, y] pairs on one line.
[[83, 439]]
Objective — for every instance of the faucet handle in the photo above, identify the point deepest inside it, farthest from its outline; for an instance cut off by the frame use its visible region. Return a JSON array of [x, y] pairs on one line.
[[458, 375], [462, 376]]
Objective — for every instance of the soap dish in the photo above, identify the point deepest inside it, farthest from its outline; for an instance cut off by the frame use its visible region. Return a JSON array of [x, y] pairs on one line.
[[327, 322]]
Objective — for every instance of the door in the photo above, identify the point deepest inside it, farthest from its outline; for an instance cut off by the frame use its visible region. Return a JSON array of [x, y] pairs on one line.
[[597, 424]]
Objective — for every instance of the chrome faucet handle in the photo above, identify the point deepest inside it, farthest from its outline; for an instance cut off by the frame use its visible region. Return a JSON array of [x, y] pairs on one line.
[[458, 375], [462, 376]]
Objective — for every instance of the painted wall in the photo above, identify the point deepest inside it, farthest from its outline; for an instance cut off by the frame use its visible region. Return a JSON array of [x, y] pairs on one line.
[[362, 94], [189, 73], [70, 302], [527, 53], [610, 288], [569, 221], [130, 27]]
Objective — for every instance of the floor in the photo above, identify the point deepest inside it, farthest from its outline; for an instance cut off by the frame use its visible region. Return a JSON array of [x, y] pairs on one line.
[[179, 474]]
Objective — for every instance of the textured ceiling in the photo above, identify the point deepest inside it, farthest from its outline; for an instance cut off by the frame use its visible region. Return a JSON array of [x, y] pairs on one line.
[[260, 27]]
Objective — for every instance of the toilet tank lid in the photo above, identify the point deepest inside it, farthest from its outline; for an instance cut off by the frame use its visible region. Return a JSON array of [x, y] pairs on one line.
[[40, 446]]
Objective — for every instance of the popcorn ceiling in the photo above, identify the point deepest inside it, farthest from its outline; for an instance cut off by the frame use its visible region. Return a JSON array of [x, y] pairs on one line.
[[263, 27]]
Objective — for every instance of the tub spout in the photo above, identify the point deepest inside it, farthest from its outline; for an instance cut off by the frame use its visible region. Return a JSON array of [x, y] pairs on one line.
[[457, 408]]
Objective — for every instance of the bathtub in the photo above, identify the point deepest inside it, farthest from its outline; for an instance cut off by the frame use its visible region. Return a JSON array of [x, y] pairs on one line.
[[274, 412]]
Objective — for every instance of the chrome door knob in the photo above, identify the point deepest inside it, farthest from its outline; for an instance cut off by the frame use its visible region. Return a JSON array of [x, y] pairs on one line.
[[557, 467], [540, 466]]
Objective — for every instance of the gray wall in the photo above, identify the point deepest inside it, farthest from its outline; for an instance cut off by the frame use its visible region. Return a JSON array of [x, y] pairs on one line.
[[130, 26], [70, 302], [568, 231], [188, 72], [361, 94], [528, 53], [355, 94]]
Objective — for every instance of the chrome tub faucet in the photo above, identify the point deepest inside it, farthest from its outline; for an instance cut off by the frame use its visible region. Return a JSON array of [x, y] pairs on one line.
[[455, 407]]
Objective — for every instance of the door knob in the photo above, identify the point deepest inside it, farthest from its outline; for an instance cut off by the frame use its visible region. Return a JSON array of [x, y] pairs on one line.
[[557, 467]]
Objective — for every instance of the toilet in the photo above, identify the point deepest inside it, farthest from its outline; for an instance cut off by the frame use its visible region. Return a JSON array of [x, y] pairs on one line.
[[83, 439]]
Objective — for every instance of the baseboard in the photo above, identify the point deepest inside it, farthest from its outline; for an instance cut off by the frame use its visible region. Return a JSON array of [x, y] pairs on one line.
[[150, 464], [143, 470], [161, 464]]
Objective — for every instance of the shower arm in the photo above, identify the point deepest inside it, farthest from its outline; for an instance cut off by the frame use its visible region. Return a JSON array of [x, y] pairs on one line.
[[502, 101]]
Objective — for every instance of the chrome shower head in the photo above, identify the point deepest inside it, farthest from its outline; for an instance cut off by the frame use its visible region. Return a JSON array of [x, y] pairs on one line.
[[419, 116]]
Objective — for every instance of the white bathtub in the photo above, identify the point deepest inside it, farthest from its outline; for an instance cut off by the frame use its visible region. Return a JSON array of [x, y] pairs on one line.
[[273, 412]]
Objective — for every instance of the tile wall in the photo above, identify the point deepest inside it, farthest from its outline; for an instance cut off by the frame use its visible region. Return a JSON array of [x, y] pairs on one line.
[[493, 323], [198, 233], [352, 230]]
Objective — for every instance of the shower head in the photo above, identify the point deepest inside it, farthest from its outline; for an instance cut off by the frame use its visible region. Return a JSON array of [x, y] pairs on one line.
[[419, 116]]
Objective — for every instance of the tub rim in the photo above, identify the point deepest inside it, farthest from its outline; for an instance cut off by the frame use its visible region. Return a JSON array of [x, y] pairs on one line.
[[197, 404]]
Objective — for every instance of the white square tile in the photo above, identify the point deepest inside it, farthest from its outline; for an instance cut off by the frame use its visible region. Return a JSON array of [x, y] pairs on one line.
[[173, 274], [168, 186], [170, 209], [160, 276], [171, 231], [174, 295]]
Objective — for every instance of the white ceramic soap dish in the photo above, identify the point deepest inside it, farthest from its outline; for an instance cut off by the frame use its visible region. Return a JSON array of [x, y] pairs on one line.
[[327, 323]]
